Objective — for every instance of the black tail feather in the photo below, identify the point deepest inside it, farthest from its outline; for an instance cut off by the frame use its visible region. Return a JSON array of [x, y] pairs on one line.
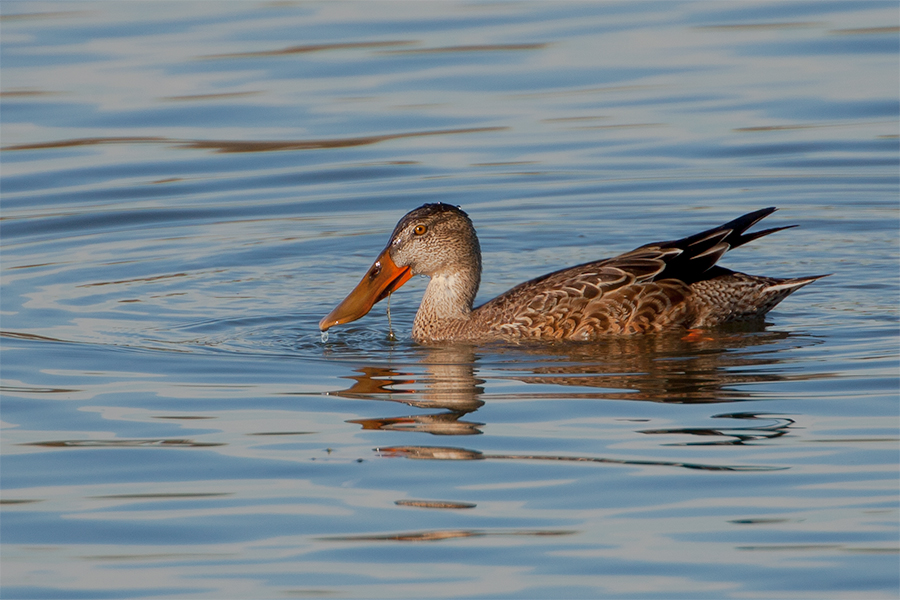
[[733, 231], [758, 234], [701, 251]]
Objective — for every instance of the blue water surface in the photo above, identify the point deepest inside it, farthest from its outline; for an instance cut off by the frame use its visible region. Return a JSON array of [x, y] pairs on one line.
[[187, 188]]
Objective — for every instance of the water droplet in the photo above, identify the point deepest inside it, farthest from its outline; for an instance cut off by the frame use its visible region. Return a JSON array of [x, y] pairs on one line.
[[324, 337]]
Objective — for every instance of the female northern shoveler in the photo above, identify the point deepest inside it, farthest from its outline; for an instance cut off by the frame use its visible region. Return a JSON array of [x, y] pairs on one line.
[[656, 287]]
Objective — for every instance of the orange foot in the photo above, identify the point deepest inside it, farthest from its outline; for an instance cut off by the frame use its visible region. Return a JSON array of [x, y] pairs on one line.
[[696, 335]]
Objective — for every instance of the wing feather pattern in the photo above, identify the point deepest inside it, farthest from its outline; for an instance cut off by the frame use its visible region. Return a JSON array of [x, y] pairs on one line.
[[646, 289]]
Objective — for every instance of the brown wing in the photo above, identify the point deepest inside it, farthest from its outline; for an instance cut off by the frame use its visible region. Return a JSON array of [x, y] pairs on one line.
[[639, 291], [611, 296]]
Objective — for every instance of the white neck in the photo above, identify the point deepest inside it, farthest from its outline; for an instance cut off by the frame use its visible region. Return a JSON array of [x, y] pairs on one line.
[[447, 298]]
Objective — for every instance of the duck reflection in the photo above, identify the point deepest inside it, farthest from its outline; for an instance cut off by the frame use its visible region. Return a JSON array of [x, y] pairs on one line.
[[444, 453], [449, 384], [762, 427], [698, 368]]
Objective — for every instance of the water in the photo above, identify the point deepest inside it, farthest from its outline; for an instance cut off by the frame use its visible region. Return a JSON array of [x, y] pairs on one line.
[[187, 188]]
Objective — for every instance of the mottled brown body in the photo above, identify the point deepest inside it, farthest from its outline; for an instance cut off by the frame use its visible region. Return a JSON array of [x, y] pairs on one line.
[[654, 288]]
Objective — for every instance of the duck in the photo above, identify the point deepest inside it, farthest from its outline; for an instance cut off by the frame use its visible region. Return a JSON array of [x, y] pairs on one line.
[[658, 287]]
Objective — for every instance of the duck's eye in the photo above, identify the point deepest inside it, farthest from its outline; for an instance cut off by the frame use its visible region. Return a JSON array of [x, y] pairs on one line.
[[420, 229]]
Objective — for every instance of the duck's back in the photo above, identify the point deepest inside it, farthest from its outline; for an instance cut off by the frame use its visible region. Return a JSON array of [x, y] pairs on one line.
[[653, 288]]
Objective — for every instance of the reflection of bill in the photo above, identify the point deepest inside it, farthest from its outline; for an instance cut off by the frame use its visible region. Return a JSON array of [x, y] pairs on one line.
[[445, 534], [443, 453]]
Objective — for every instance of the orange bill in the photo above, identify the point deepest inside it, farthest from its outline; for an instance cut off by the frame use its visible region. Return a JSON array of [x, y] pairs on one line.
[[383, 278]]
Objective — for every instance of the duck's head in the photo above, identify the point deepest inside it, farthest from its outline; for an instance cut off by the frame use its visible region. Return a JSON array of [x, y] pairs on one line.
[[433, 240]]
